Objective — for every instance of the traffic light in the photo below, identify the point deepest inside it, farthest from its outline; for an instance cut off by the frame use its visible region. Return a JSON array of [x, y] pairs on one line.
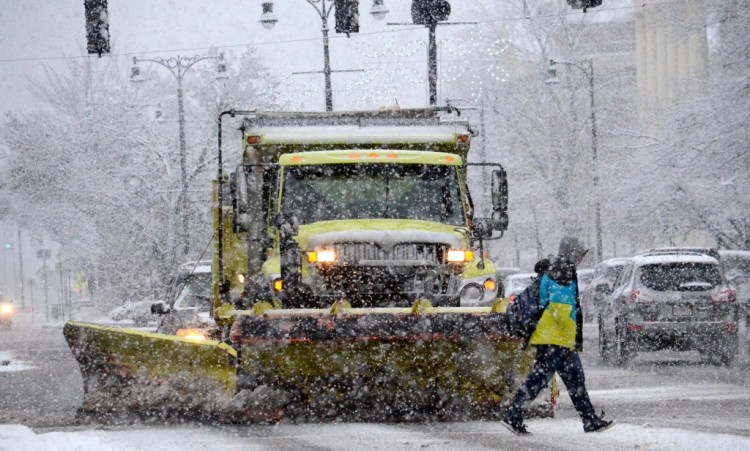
[[97, 26], [347, 16], [429, 12], [8, 246], [585, 4]]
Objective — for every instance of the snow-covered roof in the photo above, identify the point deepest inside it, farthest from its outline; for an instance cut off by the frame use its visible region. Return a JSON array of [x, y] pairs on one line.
[[735, 253], [335, 134], [683, 257], [617, 261]]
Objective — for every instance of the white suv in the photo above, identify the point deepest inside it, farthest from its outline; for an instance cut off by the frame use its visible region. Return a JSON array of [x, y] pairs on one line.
[[667, 300]]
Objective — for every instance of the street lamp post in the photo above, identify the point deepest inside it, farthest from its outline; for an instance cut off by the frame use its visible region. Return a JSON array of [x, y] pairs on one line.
[[586, 66], [44, 255], [268, 21], [178, 66]]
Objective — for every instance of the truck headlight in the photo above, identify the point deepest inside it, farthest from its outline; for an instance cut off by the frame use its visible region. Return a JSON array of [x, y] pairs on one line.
[[471, 293], [321, 256], [459, 256]]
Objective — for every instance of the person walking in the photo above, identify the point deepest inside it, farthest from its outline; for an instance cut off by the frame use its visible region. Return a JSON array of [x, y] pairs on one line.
[[558, 338]]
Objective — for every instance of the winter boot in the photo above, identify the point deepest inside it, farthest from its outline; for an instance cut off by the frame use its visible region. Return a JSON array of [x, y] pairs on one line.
[[597, 424], [516, 428]]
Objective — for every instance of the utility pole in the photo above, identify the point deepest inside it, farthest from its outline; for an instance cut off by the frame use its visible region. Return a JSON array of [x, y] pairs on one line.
[[324, 8], [44, 255], [586, 66], [20, 264], [431, 13]]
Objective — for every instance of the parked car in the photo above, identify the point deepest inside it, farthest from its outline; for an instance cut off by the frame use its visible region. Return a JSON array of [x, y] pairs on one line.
[[667, 300], [139, 312], [737, 270], [601, 284], [514, 284], [190, 312], [503, 272], [7, 311]]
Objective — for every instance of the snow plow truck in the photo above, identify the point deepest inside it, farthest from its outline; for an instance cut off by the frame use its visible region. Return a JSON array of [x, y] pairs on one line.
[[349, 282]]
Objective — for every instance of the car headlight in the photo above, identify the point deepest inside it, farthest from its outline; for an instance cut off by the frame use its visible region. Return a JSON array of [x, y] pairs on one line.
[[192, 333], [7, 309]]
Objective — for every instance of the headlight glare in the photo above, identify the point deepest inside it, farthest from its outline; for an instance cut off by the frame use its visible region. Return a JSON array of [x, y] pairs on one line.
[[321, 256], [192, 334], [459, 256]]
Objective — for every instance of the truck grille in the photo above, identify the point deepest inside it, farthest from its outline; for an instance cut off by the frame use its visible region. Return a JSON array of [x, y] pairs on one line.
[[373, 254]]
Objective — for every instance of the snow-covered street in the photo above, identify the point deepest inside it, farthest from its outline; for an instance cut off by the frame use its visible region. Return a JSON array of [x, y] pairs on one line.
[[662, 401]]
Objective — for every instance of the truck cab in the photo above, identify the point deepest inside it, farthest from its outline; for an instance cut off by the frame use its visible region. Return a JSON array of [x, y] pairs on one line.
[[370, 209]]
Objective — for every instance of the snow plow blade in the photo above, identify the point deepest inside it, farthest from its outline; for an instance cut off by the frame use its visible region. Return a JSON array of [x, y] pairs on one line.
[[382, 364], [128, 370]]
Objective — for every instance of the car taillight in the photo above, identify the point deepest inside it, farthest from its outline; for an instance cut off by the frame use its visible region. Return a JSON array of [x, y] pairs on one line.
[[639, 298], [728, 295], [635, 327]]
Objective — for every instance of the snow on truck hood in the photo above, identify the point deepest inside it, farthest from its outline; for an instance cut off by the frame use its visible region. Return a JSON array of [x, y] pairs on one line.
[[380, 230]]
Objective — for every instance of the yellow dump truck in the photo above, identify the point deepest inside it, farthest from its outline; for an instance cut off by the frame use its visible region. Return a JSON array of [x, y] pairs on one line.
[[348, 268]]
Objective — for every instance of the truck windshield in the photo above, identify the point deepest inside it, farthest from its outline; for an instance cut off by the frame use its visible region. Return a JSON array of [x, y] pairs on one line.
[[373, 191]]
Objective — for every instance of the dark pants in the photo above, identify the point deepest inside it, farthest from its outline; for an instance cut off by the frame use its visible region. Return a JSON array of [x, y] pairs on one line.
[[551, 359]]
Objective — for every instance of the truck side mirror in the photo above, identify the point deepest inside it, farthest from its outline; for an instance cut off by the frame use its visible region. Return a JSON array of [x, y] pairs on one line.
[[159, 308], [483, 228], [499, 200], [500, 221]]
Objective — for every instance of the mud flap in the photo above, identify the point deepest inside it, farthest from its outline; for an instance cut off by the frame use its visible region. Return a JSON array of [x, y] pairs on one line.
[[128, 370]]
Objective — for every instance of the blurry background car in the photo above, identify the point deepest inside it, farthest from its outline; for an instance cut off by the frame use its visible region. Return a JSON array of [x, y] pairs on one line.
[[676, 301], [190, 311], [139, 312], [737, 270], [502, 273], [601, 284], [7, 311], [516, 283]]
